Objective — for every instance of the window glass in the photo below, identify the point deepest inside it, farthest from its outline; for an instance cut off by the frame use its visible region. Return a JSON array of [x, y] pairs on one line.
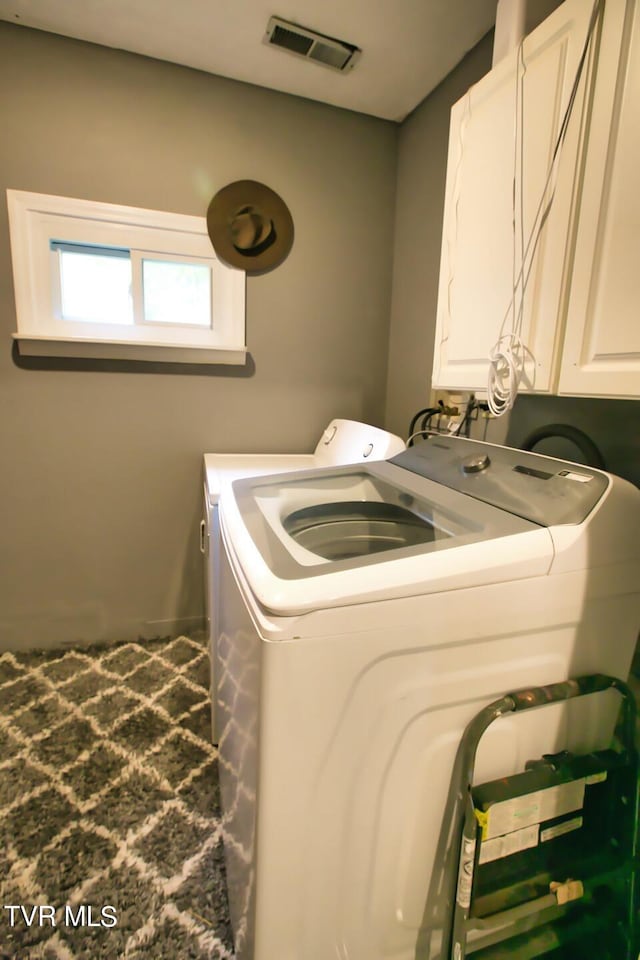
[[176, 292], [95, 284]]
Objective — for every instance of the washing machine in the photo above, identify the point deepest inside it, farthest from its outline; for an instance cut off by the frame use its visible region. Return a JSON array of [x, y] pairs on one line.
[[343, 441], [370, 611]]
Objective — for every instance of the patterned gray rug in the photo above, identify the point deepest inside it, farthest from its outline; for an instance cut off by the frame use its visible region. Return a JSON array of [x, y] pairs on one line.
[[110, 831]]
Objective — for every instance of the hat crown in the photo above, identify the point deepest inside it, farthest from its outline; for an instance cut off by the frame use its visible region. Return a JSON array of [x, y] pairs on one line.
[[251, 231]]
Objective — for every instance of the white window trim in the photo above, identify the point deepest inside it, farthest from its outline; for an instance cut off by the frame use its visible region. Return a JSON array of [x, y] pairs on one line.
[[35, 219]]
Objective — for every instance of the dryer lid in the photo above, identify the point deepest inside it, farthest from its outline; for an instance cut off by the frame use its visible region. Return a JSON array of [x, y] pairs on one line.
[[348, 441]]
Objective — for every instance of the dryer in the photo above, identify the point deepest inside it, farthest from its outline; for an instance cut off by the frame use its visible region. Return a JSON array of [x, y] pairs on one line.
[[343, 441], [369, 613]]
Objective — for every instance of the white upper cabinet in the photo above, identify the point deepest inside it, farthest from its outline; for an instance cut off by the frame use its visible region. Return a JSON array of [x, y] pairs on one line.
[[601, 355], [508, 201]]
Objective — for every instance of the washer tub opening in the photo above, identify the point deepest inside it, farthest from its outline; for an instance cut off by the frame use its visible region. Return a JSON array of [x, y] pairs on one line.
[[343, 530]]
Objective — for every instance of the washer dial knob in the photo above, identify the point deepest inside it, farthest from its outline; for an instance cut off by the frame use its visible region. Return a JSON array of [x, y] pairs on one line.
[[476, 464]]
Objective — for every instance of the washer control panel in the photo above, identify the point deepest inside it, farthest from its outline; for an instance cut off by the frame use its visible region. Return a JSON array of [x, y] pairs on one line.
[[538, 488]]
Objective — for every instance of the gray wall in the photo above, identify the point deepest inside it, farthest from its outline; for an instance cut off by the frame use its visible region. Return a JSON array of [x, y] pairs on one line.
[[612, 425], [100, 483], [422, 167]]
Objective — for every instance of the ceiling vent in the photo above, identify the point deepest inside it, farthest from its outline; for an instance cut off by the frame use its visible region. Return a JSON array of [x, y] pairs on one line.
[[327, 51]]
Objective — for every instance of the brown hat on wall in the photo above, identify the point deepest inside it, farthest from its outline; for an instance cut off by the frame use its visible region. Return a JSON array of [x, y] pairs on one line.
[[250, 227]]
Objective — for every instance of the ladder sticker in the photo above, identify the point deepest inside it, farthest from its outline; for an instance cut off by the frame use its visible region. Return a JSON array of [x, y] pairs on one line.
[[504, 846], [596, 778], [560, 828], [506, 816], [465, 873]]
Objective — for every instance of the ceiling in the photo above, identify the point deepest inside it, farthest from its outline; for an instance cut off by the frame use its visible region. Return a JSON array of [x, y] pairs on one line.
[[408, 46]]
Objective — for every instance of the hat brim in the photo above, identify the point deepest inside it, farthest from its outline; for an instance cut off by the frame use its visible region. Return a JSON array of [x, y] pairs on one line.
[[224, 208]]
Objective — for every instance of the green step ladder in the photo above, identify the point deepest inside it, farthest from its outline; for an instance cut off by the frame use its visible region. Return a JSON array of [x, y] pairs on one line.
[[549, 858]]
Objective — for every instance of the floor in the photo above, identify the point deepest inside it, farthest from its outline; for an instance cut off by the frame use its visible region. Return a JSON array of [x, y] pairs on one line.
[[109, 806]]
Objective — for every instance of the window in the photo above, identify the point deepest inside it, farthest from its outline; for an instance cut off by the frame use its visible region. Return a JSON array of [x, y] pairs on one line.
[[98, 280]]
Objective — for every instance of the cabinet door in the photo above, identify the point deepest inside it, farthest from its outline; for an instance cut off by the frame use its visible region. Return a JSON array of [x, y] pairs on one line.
[[489, 178], [601, 355]]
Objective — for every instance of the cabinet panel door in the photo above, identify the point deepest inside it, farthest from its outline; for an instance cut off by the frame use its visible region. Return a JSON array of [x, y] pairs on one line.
[[481, 249], [601, 355]]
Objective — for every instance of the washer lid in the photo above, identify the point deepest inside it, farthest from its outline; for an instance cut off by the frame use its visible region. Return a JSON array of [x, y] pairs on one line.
[[343, 535], [220, 469]]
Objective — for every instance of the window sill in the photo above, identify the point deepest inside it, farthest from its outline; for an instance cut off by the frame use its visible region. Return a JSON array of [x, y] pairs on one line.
[[36, 346]]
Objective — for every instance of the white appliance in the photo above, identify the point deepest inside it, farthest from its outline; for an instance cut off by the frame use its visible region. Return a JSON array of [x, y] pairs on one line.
[[343, 441], [369, 613]]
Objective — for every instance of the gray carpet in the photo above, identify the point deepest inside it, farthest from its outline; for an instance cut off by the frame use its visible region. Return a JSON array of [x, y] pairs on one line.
[[109, 802]]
